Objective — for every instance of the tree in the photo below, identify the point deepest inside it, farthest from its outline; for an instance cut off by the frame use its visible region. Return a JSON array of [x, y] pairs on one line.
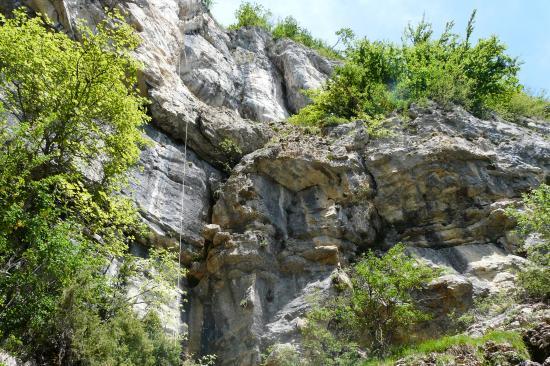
[[69, 132], [252, 15], [534, 218], [345, 36], [382, 301], [370, 314]]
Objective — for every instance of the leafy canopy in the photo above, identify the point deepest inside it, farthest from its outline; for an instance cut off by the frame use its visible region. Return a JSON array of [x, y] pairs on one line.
[[254, 15], [370, 314], [70, 129], [379, 77]]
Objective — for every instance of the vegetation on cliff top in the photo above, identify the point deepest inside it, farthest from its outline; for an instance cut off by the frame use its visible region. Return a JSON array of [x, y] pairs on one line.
[[254, 15], [70, 129], [379, 77]]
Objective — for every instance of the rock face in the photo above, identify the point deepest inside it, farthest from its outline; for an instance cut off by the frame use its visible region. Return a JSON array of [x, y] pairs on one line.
[[295, 211], [265, 240], [158, 190]]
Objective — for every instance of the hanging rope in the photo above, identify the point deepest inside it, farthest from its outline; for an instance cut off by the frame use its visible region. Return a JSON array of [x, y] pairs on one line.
[[182, 203], [182, 198]]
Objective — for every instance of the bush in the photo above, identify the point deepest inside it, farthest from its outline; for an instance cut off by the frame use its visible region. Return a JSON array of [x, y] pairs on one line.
[[122, 339], [371, 314], [252, 15], [534, 218], [523, 104], [382, 303], [325, 338], [289, 28], [379, 77], [444, 344]]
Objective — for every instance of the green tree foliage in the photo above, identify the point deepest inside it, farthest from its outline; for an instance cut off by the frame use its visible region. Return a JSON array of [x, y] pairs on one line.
[[525, 104], [535, 218], [289, 28], [112, 336], [382, 302], [326, 340], [379, 77], [252, 15], [345, 36], [69, 132], [371, 313]]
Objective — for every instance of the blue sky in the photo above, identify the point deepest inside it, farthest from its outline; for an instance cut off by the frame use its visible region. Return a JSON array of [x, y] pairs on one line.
[[524, 25]]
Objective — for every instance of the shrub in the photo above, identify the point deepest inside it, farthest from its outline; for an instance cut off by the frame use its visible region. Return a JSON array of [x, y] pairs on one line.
[[535, 219], [325, 338], [370, 314], [282, 355], [441, 345], [523, 104], [379, 77], [289, 28], [122, 339], [252, 15], [382, 303]]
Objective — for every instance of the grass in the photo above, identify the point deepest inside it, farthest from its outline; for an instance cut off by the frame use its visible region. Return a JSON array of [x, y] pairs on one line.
[[441, 345]]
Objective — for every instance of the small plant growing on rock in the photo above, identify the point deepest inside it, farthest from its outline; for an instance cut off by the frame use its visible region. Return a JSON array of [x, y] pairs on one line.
[[484, 307], [535, 219], [230, 147], [244, 303], [232, 151], [264, 244]]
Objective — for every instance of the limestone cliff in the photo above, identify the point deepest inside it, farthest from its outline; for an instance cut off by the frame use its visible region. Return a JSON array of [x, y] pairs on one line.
[[261, 239]]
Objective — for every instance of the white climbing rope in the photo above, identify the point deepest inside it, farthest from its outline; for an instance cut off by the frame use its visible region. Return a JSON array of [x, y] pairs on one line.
[[182, 203]]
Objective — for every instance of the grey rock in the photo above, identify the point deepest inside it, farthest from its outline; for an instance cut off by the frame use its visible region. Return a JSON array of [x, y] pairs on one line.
[[157, 189], [489, 267], [529, 363], [8, 360], [445, 178], [302, 69]]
